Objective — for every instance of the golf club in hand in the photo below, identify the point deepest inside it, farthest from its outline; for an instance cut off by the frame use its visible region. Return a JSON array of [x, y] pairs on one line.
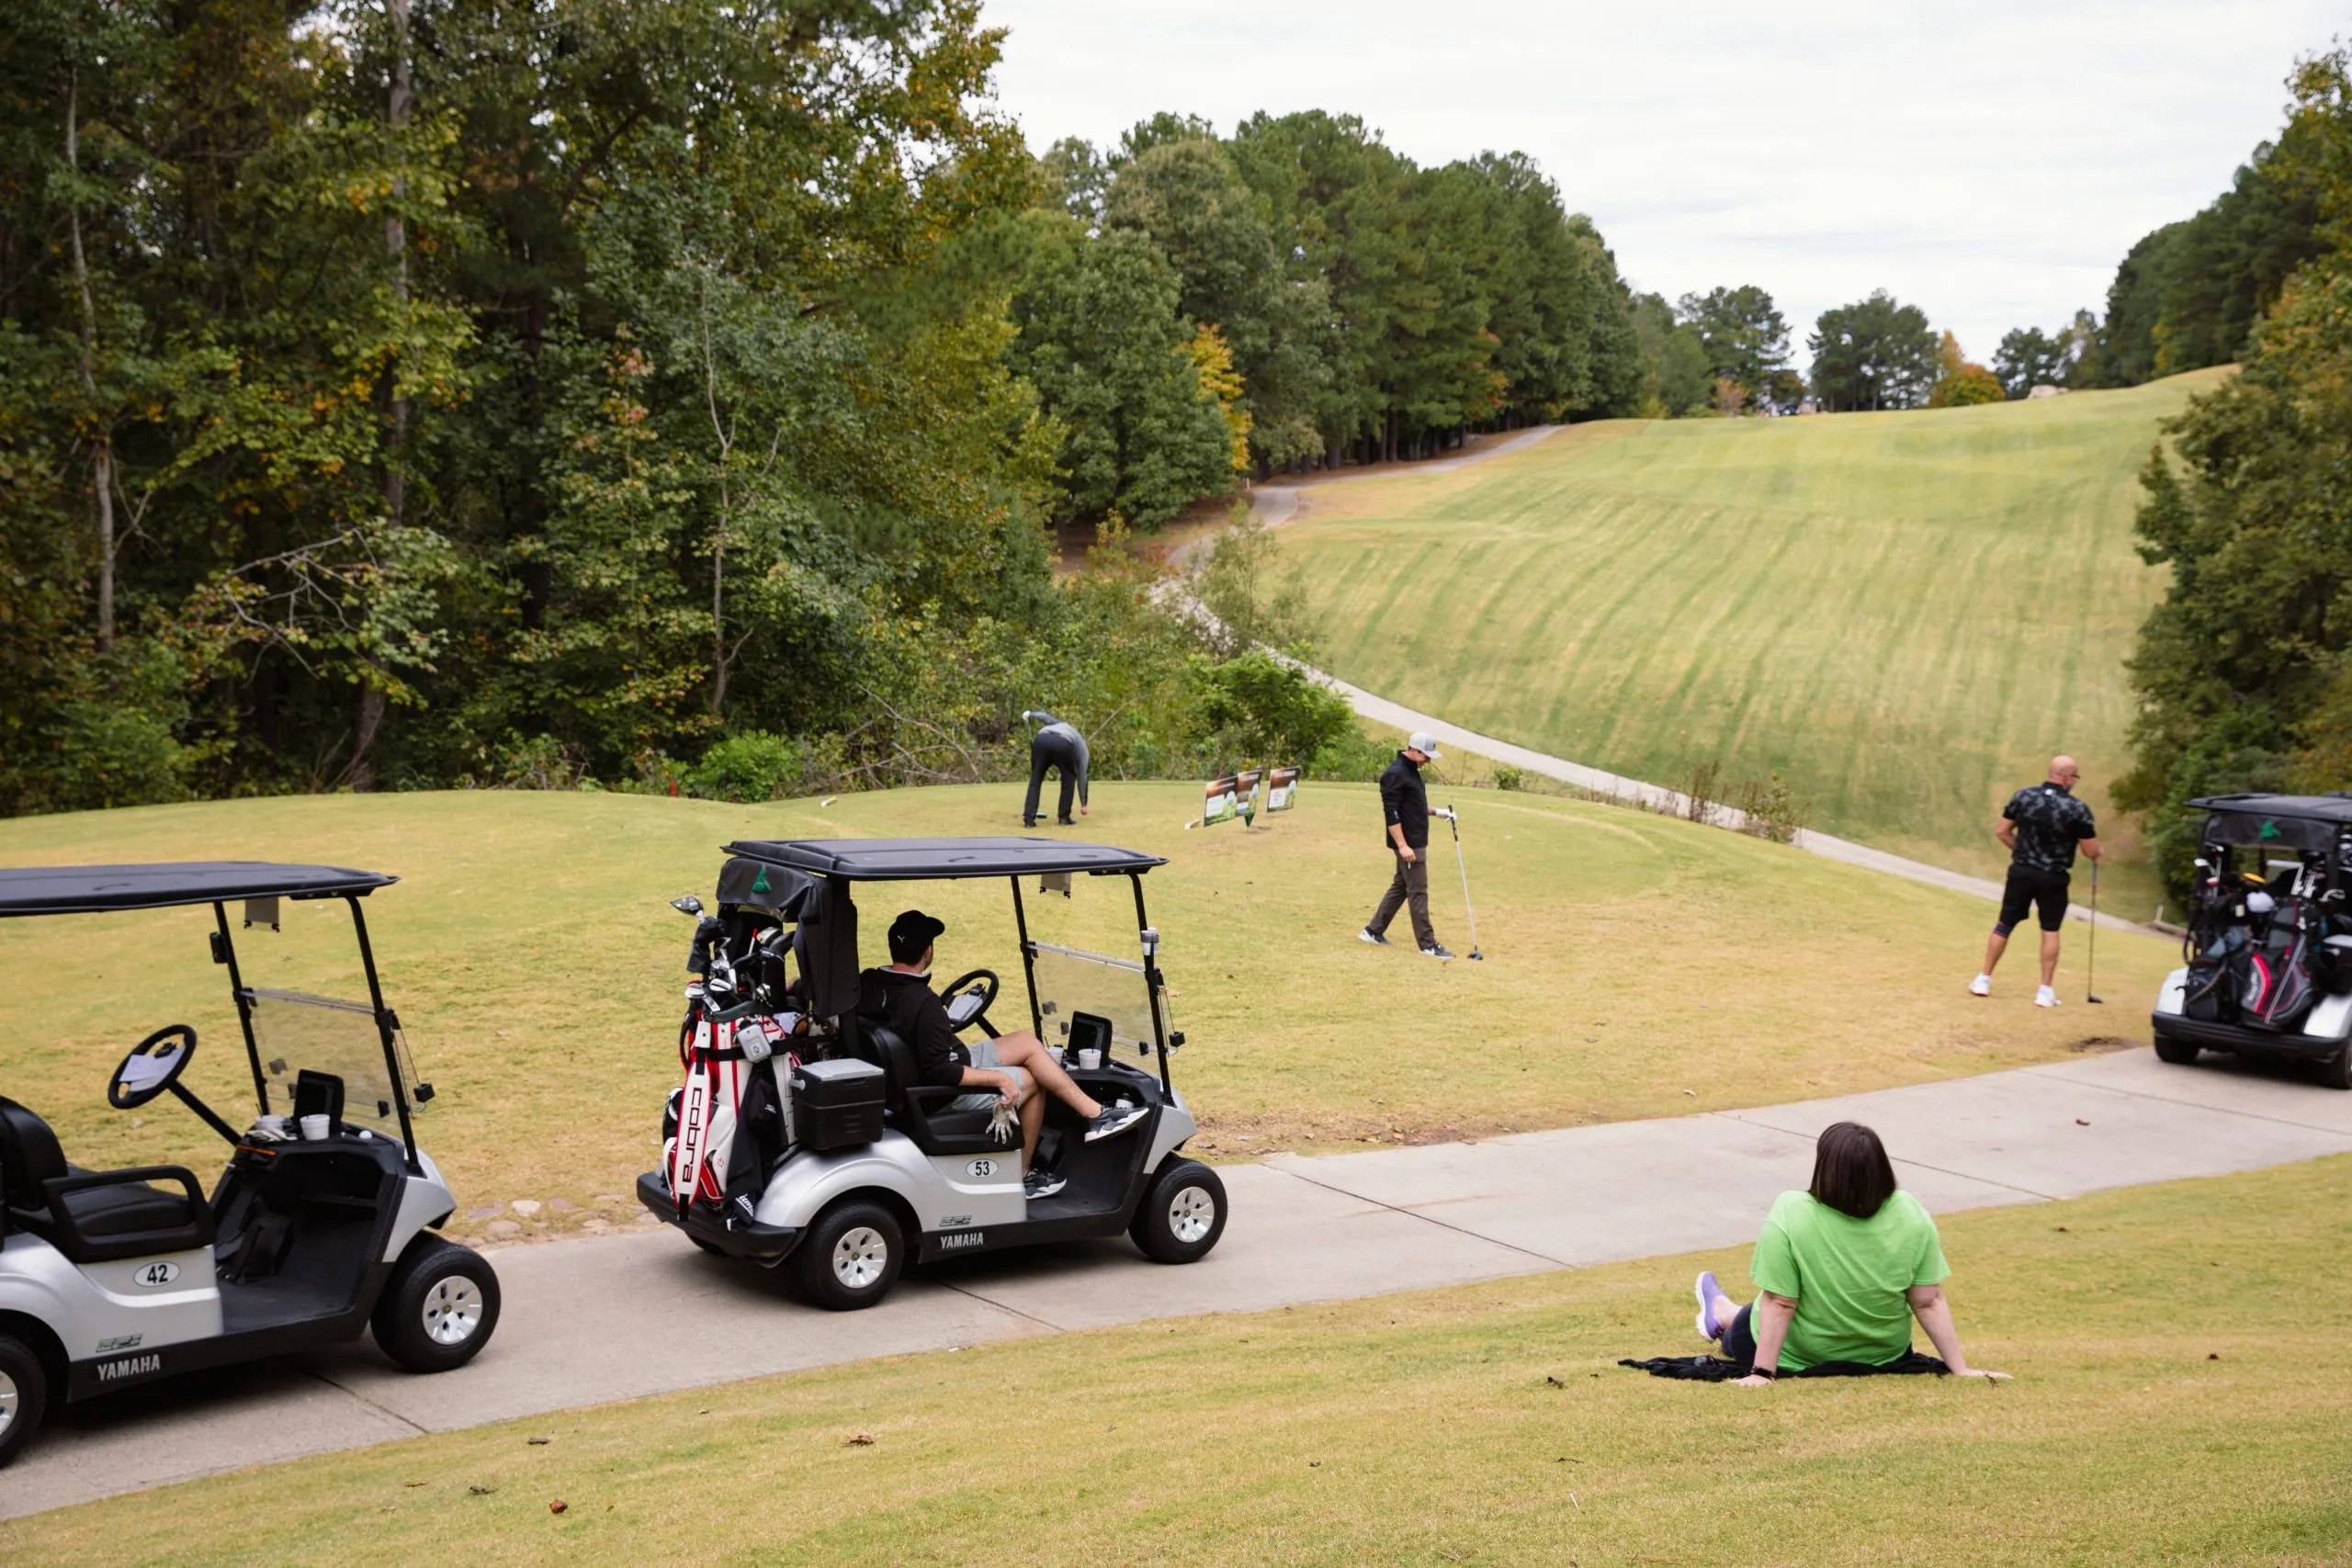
[[1447, 812]]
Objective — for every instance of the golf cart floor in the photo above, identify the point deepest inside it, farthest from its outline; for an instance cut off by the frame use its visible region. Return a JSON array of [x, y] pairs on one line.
[[270, 1303]]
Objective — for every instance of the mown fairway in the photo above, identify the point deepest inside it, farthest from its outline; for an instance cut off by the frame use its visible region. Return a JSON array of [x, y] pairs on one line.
[[1636, 966], [2181, 1396], [1904, 614]]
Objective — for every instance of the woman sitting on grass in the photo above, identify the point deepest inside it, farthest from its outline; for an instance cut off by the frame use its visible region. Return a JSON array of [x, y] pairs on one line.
[[1840, 1268]]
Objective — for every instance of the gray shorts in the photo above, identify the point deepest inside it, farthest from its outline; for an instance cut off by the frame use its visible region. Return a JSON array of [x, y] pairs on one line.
[[983, 1054]]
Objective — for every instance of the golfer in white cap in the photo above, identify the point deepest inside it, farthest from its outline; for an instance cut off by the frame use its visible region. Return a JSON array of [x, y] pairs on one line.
[[1405, 810]]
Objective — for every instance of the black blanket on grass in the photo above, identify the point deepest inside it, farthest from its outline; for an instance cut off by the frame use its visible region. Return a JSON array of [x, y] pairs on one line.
[[1714, 1369]]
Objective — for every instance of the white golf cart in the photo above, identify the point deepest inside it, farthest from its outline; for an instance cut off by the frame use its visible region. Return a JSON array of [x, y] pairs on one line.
[[2268, 951], [842, 1163], [112, 1278]]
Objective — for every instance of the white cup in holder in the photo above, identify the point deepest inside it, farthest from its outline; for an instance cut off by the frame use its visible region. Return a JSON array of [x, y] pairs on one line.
[[316, 1128], [1087, 1056]]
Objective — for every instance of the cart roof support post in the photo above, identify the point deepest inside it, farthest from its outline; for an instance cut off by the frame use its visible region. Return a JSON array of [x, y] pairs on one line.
[[1151, 981], [384, 1034]]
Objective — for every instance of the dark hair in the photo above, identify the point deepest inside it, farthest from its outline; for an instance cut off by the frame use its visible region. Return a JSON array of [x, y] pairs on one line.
[[1850, 1171]]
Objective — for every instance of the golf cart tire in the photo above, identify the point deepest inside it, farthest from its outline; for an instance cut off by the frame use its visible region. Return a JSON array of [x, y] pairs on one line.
[[436, 1275], [1167, 1226], [858, 1277], [22, 1365], [2336, 1072], [2179, 1053]]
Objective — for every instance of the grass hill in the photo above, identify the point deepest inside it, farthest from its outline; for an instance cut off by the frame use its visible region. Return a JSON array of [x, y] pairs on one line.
[[1904, 614], [2173, 1404], [1637, 965]]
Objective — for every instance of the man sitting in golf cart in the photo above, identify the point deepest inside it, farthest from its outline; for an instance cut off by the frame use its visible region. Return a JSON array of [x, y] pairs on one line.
[[1006, 1070]]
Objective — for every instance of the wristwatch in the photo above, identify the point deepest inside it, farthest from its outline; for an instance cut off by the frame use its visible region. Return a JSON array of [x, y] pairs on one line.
[[1770, 1374]]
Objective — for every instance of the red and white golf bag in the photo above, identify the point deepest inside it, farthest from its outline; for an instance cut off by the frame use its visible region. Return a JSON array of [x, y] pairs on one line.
[[707, 1107]]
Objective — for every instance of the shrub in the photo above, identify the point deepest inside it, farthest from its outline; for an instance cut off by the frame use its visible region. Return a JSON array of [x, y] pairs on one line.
[[1353, 754], [1261, 709], [1772, 810], [748, 767], [1510, 778]]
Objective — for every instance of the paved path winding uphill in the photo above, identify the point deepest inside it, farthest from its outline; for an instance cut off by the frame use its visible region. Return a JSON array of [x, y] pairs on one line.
[[1278, 504], [616, 1317]]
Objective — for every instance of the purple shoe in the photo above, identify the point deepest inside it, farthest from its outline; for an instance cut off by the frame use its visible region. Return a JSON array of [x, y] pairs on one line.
[[1707, 1291]]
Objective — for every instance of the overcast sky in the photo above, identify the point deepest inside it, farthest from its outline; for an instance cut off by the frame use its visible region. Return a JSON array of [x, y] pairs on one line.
[[1990, 164]]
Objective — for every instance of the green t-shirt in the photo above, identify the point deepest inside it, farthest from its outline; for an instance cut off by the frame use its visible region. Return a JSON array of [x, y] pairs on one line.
[[1847, 1276]]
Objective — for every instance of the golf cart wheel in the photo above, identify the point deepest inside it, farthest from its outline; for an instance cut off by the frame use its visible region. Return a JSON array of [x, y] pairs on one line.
[[2179, 1053], [439, 1306], [851, 1257], [1182, 1214], [2337, 1071], [24, 1396]]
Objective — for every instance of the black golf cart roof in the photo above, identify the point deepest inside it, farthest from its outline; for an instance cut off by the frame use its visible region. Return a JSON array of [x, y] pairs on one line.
[[2307, 822], [98, 889], [935, 860], [2337, 808]]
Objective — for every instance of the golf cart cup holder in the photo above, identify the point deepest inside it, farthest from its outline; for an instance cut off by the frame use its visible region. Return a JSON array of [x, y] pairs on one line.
[[836, 1104]]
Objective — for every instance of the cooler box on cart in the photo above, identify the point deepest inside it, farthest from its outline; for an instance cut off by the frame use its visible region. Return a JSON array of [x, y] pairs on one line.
[[836, 1105]]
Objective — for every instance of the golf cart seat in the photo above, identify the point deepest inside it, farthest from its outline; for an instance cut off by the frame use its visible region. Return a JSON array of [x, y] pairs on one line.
[[919, 1109], [94, 1217]]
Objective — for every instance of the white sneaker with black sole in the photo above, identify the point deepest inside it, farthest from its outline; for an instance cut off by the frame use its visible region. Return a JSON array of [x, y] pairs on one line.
[[1367, 935], [1042, 1184], [1437, 950]]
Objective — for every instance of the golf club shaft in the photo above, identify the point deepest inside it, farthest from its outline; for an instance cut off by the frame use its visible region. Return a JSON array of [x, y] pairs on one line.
[[2090, 964], [1462, 866]]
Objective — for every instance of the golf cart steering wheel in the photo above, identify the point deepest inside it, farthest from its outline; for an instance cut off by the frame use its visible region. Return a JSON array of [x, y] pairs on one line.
[[153, 1066], [969, 996]]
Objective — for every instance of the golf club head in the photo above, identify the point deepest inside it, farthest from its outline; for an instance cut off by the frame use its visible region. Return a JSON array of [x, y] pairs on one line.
[[1478, 956], [2098, 1001]]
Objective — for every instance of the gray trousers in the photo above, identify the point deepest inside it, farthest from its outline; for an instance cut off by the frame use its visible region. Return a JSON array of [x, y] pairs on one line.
[[1410, 888]]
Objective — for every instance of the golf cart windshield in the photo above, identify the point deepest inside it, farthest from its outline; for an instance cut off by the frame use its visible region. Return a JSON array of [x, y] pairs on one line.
[[1075, 987], [293, 1032]]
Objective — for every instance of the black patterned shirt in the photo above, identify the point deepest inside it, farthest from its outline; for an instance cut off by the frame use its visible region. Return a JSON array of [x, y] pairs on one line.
[[2050, 822]]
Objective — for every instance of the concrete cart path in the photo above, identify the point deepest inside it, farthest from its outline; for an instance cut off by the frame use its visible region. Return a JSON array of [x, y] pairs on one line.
[[601, 1319]]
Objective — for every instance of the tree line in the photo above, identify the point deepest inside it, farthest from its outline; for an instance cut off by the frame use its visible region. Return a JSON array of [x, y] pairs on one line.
[[400, 393], [2244, 671]]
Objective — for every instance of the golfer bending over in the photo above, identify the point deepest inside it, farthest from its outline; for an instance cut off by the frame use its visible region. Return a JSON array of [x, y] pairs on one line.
[[2040, 830], [1055, 746], [1404, 811], [902, 997], [1842, 1269]]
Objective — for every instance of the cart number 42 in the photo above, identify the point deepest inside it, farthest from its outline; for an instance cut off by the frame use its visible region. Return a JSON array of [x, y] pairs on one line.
[[156, 1274]]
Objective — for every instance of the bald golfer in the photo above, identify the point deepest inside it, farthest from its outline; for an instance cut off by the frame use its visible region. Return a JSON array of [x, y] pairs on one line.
[[2041, 830], [1405, 814]]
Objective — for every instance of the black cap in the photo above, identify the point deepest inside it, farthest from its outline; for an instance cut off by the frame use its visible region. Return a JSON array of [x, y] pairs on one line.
[[910, 934]]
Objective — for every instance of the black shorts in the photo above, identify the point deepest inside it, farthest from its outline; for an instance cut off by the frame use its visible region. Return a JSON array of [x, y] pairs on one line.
[[2044, 891]]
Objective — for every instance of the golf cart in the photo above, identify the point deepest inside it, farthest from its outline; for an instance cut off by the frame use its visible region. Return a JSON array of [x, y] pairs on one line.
[[112, 1278], [2267, 968], [803, 1136]]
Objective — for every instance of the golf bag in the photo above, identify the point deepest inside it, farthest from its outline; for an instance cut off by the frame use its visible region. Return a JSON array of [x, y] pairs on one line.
[[2209, 994], [706, 1111], [726, 1125], [2282, 963]]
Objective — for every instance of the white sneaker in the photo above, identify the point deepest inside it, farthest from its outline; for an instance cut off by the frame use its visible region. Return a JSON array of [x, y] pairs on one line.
[[2047, 997], [1981, 987]]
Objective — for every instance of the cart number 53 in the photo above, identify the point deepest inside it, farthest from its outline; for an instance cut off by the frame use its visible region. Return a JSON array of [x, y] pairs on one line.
[[155, 1274], [982, 1167]]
